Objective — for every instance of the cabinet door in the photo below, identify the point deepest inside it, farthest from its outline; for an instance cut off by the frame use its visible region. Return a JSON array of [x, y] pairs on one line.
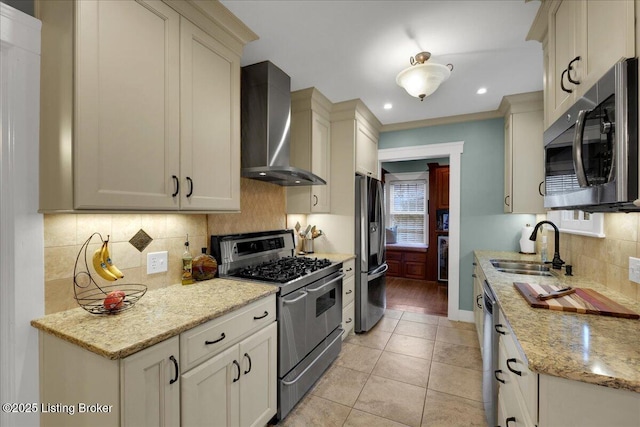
[[211, 392], [608, 36], [210, 122], [366, 152], [563, 26], [527, 169], [258, 382], [126, 105], [508, 164], [442, 184], [478, 314], [150, 391], [320, 157]]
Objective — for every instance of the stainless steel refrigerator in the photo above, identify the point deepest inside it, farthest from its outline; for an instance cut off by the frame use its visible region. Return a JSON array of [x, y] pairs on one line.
[[371, 266]]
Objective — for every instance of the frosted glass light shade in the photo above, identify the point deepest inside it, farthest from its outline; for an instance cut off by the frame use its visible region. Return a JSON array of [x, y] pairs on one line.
[[421, 80]]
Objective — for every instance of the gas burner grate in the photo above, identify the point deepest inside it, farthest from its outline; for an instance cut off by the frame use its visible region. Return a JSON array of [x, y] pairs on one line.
[[284, 269]]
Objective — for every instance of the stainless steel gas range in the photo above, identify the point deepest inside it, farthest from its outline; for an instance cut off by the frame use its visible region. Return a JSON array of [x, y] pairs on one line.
[[309, 304]]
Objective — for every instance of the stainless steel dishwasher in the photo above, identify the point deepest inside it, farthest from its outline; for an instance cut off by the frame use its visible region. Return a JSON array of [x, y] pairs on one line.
[[490, 355]]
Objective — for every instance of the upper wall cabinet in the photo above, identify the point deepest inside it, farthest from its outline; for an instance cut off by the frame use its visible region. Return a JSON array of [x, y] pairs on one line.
[[524, 153], [310, 150], [367, 149], [140, 106], [582, 40]]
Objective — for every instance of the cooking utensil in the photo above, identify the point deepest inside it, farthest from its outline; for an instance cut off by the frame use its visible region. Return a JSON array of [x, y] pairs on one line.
[[306, 231], [297, 227], [556, 294]]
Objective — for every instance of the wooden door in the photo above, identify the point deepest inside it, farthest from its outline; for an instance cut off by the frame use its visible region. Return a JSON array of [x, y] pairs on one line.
[[126, 105]]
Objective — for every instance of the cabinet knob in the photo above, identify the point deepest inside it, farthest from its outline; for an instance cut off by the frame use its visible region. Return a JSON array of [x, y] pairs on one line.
[[315, 200], [249, 359], [509, 362], [540, 188], [190, 181], [506, 200], [570, 68], [562, 82], [177, 183], [177, 370], [235, 362]]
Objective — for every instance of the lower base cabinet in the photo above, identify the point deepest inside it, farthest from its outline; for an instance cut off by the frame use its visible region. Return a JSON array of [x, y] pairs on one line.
[[410, 263], [236, 387]]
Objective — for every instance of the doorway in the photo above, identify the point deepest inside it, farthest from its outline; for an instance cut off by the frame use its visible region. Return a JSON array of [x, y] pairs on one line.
[[453, 151]]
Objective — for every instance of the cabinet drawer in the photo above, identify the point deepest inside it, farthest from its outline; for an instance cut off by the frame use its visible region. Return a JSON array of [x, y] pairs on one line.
[[396, 256], [516, 365], [349, 268], [348, 290], [348, 319], [415, 257], [202, 342]]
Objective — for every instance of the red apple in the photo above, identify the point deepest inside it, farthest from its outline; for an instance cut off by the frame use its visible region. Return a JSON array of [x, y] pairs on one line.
[[114, 300]]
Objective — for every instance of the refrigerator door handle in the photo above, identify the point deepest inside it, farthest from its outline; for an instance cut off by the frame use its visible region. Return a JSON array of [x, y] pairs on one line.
[[378, 272], [381, 240]]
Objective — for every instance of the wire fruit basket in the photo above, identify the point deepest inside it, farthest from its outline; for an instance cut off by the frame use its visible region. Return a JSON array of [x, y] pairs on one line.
[[105, 299]]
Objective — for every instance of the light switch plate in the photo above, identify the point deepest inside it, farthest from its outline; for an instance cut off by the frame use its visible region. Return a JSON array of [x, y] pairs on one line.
[[634, 269], [157, 262]]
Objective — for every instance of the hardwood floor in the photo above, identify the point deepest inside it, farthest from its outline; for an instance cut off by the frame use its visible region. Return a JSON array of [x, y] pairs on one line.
[[418, 296]]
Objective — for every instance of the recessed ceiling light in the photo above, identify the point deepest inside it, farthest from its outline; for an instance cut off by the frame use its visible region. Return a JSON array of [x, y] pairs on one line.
[[297, 182], [263, 174], [482, 91], [388, 106]]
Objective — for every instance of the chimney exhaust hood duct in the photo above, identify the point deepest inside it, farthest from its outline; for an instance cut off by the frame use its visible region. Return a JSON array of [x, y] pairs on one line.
[[265, 122]]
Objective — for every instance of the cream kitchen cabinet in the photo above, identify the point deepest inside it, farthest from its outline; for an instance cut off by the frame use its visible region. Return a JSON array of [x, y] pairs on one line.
[[235, 387], [366, 150], [524, 153], [142, 389], [229, 374], [310, 150], [584, 40], [348, 297], [140, 107]]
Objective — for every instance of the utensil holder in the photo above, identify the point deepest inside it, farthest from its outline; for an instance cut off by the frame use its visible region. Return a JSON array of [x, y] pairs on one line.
[[307, 246]]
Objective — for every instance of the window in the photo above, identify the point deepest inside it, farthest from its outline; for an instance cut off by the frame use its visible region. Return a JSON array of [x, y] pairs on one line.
[[578, 222], [407, 209]]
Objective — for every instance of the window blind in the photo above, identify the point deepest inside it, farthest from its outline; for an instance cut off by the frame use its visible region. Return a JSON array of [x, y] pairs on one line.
[[407, 210]]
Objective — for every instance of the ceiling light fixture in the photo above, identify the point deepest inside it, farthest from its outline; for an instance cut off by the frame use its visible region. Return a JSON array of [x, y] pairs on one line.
[[421, 79], [388, 106], [482, 91]]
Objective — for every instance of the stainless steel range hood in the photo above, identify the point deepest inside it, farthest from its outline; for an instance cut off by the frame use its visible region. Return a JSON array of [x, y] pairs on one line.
[[266, 119]]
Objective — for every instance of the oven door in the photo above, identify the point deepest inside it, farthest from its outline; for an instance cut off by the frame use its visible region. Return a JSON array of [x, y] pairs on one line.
[[324, 308]]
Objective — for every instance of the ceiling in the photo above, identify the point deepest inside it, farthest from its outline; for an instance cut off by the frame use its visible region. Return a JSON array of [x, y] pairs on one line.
[[355, 49]]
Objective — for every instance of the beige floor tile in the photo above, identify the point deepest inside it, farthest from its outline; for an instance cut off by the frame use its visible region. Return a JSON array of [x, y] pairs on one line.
[[316, 411], [374, 339], [410, 346], [415, 329], [443, 321], [386, 324], [393, 400], [340, 385], [462, 382], [392, 314], [457, 336], [358, 357], [399, 367], [458, 355], [445, 410], [421, 318], [363, 419]]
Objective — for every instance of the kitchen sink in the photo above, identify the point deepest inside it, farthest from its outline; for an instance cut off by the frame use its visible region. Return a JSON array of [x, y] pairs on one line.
[[531, 268]]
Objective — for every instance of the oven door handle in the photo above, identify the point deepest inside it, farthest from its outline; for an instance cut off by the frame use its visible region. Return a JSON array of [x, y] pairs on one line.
[[293, 381], [324, 285], [291, 301], [578, 164]]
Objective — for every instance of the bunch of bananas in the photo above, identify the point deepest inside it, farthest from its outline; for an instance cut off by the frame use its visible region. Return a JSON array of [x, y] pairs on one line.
[[103, 265]]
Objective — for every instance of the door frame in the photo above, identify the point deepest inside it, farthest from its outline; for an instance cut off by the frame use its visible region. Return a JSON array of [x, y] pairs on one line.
[[453, 150]]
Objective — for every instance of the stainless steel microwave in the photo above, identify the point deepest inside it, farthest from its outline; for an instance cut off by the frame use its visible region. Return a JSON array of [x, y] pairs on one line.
[[591, 153]]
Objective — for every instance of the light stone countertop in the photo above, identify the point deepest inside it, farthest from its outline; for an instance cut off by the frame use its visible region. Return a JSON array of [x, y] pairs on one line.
[[160, 314], [583, 347]]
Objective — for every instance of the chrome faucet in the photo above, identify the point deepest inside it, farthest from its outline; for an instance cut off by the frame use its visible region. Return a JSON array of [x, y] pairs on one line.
[[556, 262]]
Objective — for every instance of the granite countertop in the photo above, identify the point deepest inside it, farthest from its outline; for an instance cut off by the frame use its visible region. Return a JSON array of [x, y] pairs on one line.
[[160, 314], [589, 348]]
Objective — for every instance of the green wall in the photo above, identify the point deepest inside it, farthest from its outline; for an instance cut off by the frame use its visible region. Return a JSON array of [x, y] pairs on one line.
[[483, 225]]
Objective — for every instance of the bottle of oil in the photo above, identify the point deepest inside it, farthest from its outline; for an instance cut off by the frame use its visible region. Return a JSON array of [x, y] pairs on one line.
[[187, 264]]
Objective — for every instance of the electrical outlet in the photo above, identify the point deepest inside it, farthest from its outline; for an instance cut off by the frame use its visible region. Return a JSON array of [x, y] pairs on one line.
[[634, 269], [157, 262]]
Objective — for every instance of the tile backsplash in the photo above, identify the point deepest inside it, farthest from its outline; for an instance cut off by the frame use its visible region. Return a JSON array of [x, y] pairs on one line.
[[605, 260], [262, 208]]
